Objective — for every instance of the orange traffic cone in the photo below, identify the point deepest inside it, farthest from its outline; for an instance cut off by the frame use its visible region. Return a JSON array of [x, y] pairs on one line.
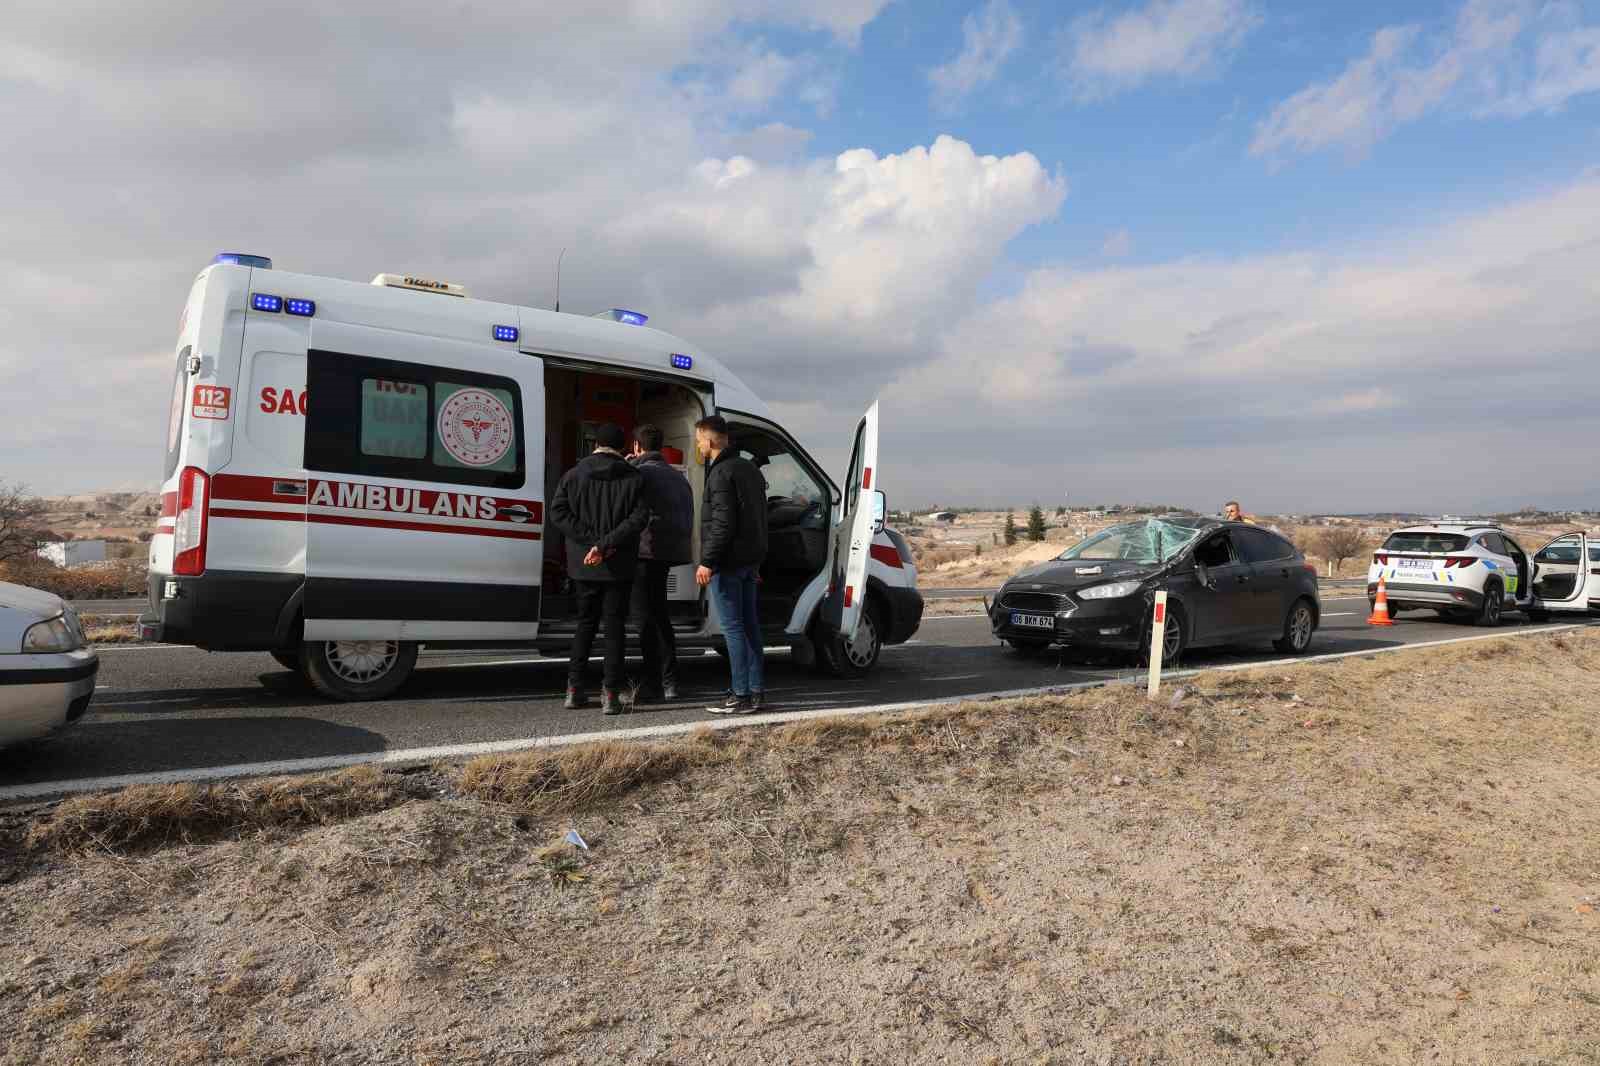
[[1380, 607]]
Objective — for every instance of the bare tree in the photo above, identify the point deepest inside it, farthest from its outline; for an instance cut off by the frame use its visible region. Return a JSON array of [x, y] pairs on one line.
[[1339, 543], [19, 533]]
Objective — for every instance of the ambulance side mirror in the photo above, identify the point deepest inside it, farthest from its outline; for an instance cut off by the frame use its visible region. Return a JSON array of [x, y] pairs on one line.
[[880, 509]]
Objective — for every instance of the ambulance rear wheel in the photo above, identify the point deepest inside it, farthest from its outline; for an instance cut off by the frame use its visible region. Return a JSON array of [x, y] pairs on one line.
[[354, 670]]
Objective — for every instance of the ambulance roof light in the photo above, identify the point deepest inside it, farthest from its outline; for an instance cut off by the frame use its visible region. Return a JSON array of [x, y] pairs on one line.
[[260, 262], [411, 281], [623, 315]]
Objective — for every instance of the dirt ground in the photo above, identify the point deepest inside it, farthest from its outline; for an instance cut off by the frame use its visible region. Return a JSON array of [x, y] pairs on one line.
[[1388, 860]]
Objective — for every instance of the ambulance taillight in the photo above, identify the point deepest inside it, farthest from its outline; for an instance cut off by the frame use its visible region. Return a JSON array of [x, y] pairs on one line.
[[189, 530]]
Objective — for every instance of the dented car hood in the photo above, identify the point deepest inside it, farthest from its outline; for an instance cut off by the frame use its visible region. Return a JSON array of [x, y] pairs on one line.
[[1066, 575]]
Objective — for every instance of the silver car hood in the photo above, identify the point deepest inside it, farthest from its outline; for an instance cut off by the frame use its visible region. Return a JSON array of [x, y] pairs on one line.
[[29, 601]]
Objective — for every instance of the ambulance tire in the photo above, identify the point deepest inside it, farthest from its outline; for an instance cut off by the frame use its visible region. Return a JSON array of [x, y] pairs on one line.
[[355, 670], [289, 660], [838, 659]]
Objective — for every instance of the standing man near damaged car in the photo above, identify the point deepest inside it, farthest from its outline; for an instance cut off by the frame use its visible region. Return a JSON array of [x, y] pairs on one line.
[[600, 508], [666, 543], [733, 545]]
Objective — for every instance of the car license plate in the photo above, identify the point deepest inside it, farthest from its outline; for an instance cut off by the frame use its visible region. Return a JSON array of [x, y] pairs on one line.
[[1036, 621], [1413, 565]]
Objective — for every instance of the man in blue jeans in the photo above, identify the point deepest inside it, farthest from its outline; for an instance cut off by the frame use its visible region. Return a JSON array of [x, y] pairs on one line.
[[733, 545]]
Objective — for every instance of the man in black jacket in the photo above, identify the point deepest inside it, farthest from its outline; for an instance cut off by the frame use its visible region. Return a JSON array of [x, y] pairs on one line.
[[600, 508], [664, 544], [733, 545]]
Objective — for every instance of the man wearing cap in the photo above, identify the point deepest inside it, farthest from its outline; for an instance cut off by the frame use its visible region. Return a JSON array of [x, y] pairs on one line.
[[600, 508]]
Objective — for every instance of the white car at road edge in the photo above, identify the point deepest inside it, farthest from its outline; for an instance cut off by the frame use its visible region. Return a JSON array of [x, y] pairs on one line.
[[1477, 572], [46, 670]]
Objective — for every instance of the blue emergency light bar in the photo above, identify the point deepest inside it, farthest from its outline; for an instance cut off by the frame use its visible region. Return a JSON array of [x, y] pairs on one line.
[[505, 333], [625, 316], [244, 259], [262, 302], [682, 362], [303, 308]]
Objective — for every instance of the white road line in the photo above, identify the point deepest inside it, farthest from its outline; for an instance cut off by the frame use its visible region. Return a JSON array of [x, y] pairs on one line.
[[501, 747]]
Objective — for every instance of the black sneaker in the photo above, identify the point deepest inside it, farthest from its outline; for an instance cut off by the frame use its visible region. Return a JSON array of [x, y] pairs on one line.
[[733, 705], [757, 702], [646, 694], [669, 692]]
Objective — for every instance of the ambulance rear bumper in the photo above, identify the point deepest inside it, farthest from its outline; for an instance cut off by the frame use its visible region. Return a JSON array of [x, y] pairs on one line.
[[223, 610]]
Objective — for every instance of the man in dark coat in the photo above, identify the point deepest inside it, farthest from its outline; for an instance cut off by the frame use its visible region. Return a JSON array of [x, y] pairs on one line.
[[600, 508], [733, 545], [664, 544]]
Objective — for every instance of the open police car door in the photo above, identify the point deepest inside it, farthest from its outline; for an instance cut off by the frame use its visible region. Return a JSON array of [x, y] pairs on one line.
[[1564, 577], [861, 516]]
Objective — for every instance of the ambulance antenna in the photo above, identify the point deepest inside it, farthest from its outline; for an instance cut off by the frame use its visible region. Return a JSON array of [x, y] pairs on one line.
[[558, 277]]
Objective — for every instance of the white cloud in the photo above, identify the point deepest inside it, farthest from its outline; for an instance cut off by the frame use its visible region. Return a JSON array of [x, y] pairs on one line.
[[1106, 54], [1288, 373], [1503, 58], [989, 36], [1117, 245]]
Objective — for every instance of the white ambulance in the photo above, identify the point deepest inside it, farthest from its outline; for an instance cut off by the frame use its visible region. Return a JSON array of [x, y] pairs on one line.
[[356, 470]]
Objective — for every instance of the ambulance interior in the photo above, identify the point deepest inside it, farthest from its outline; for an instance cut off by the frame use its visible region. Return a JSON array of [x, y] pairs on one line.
[[578, 402]]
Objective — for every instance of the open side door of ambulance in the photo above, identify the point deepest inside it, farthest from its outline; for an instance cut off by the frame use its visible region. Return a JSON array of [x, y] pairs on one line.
[[1563, 578], [424, 510], [860, 517]]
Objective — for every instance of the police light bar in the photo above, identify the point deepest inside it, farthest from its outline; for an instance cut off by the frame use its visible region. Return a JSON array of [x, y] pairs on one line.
[[261, 262], [411, 281], [623, 315]]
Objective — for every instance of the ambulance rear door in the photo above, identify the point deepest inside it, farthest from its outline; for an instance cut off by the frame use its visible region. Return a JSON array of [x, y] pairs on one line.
[[861, 517], [425, 502]]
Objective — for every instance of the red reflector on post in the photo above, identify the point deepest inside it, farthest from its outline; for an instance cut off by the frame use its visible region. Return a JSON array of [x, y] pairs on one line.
[[1161, 613]]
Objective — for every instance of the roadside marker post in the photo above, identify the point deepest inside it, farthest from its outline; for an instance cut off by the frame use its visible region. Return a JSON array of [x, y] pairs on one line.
[[1158, 642]]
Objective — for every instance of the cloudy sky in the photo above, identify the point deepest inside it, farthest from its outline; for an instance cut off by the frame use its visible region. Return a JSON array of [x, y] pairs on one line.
[[1311, 255]]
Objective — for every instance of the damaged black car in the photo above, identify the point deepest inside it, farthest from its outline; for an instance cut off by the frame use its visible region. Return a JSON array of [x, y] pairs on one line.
[[1226, 583]]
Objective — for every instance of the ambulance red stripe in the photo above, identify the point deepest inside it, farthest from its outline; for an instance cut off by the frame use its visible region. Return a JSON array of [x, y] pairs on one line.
[[373, 523], [256, 489], [881, 552]]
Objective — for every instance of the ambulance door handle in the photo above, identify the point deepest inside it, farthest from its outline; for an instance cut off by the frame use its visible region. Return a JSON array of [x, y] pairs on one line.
[[517, 513]]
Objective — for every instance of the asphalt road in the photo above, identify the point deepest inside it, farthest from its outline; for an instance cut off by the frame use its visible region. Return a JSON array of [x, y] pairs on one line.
[[168, 708]]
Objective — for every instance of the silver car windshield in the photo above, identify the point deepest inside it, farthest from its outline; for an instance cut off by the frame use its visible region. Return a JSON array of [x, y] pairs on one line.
[[1153, 540]]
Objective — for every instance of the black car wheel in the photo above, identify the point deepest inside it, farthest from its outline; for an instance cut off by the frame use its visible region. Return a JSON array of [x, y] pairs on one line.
[[1493, 608], [1298, 626], [1174, 637]]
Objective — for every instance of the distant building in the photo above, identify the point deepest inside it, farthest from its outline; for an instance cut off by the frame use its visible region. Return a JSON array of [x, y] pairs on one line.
[[75, 552], [946, 517]]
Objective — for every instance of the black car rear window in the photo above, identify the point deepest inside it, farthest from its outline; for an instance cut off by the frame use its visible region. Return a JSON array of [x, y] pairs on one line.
[[1259, 546], [1426, 542]]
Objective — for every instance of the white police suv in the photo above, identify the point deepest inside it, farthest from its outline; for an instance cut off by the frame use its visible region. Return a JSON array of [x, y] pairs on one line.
[[1474, 571]]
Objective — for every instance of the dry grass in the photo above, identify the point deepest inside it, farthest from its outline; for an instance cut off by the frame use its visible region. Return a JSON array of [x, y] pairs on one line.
[[154, 816], [99, 630], [1388, 860]]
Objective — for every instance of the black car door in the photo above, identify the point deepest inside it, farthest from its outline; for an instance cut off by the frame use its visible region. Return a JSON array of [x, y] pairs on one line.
[[1273, 571], [1222, 603]]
